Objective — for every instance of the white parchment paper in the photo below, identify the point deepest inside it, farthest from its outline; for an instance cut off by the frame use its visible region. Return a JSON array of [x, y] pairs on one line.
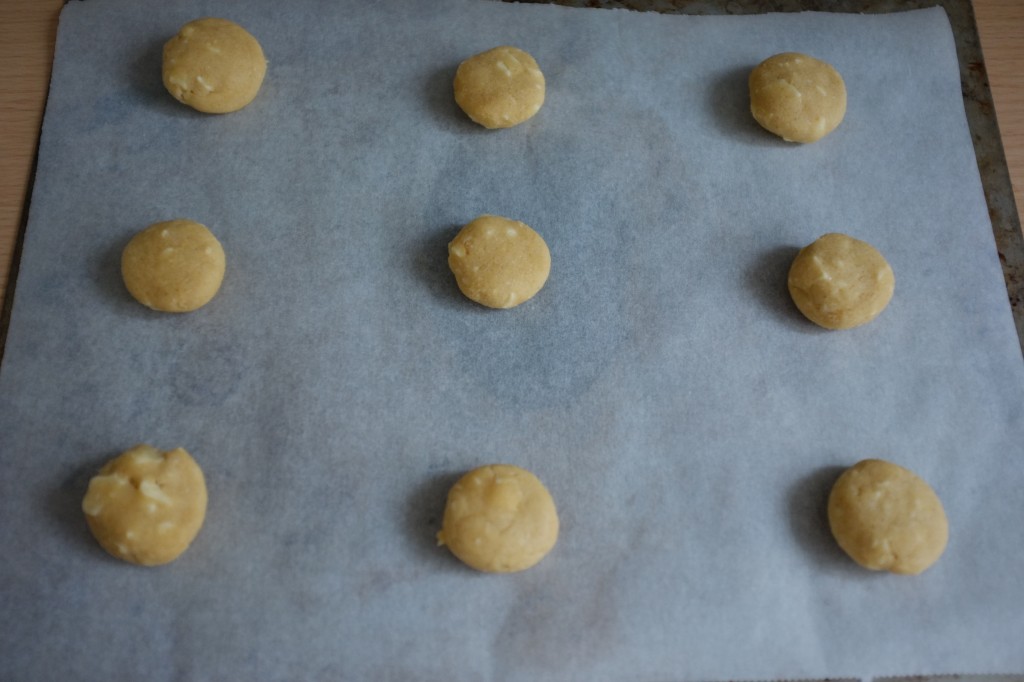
[[688, 421]]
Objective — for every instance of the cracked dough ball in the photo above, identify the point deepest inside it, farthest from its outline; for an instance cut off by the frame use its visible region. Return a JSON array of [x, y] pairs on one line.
[[886, 518], [214, 66], [839, 282], [797, 97], [499, 519], [175, 266], [146, 506], [499, 262], [499, 88]]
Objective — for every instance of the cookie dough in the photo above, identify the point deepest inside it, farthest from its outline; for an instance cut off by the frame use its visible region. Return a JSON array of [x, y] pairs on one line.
[[174, 266], [214, 66], [886, 518], [797, 97], [499, 519], [840, 282], [499, 262], [499, 88], [146, 506]]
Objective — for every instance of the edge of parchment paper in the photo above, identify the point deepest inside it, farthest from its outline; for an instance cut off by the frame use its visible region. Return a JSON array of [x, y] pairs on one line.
[[988, 677], [7, 305], [992, 677], [19, 242], [985, 677], [978, 105]]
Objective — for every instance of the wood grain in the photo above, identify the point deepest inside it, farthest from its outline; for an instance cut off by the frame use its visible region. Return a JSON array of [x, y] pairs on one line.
[[28, 30], [1001, 28]]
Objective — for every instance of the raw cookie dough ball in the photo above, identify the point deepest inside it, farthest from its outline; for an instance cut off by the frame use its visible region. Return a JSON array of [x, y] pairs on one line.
[[797, 97], [498, 262], [174, 266], [214, 66], [499, 88], [146, 506], [886, 518], [499, 519], [840, 282]]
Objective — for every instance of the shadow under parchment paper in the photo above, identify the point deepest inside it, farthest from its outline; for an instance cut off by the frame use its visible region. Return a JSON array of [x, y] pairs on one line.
[[766, 277], [729, 104], [63, 505], [107, 278], [208, 371], [428, 259], [144, 76], [424, 512], [531, 635], [807, 508], [439, 95]]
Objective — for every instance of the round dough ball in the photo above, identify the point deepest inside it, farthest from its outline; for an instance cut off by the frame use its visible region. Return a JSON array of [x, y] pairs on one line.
[[214, 66], [174, 266], [840, 282], [498, 262], [499, 519], [499, 88], [797, 97], [886, 518], [146, 506]]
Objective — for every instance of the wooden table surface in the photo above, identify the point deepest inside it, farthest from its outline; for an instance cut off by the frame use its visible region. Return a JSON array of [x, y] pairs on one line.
[[28, 29]]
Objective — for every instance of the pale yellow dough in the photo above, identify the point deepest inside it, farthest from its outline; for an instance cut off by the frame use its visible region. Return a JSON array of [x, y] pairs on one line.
[[146, 506], [797, 97], [498, 262], [500, 88], [175, 266], [886, 518], [839, 282], [499, 519], [214, 66]]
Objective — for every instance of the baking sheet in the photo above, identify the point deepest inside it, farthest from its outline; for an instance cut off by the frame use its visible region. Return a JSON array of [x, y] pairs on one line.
[[686, 418]]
